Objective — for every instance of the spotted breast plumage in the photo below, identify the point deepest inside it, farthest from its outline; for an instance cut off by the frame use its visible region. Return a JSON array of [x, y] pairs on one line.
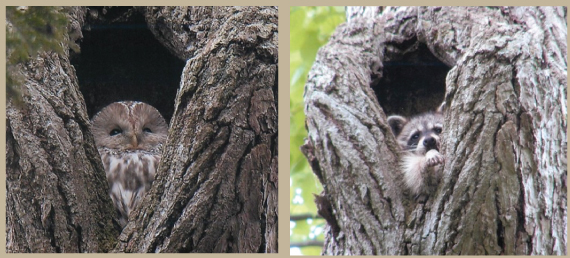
[[129, 136]]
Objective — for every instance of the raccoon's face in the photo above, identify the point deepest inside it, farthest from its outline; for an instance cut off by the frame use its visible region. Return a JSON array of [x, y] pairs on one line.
[[418, 134]]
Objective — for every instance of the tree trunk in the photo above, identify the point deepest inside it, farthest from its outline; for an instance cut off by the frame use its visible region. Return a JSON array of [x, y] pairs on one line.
[[56, 191], [504, 141], [216, 187]]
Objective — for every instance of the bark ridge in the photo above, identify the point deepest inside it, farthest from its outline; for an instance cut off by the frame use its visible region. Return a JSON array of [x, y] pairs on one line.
[[504, 188]]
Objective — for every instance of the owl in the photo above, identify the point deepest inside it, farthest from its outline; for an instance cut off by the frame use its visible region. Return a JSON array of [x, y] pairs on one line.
[[129, 136]]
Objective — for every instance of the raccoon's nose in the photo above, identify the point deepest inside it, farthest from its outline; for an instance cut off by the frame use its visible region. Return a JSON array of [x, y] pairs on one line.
[[430, 143]]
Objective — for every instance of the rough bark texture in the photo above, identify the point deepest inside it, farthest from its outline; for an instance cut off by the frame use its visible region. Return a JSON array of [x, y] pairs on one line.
[[216, 188], [56, 191], [504, 188]]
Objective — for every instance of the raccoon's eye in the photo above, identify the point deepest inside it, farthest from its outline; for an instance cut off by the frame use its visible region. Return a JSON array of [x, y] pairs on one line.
[[415, 136], [437, 130], [147, 130]]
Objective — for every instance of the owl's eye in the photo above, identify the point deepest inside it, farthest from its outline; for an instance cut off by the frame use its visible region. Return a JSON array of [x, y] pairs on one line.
[[147, 130], [115, 132]]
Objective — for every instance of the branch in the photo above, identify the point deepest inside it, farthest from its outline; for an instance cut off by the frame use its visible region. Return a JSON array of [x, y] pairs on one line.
[[307, 243], [304, 217]]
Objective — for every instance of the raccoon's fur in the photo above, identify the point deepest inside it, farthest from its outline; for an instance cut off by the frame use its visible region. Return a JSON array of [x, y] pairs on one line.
[[419, 139]]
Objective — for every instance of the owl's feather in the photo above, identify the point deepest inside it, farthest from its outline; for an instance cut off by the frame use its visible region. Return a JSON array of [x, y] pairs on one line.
[[130, 175], [129, 136]]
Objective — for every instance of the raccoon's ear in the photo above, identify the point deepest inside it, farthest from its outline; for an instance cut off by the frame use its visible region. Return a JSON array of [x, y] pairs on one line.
[[397, 123], [441, 108]]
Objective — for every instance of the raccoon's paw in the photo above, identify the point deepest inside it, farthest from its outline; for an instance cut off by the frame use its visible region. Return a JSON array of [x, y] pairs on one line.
[[434, 158]]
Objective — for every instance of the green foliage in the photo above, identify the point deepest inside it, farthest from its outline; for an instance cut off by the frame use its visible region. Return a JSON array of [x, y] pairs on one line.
[[310, 29], [29, 30]]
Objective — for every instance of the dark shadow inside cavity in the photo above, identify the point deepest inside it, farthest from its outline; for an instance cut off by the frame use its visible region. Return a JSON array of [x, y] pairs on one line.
[[412, 83], [121, 60]]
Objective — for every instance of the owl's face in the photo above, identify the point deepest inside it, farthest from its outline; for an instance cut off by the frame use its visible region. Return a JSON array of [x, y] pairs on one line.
[[129, 125]]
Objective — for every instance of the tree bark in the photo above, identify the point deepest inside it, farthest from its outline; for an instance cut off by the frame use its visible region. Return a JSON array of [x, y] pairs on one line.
[[216, 187], [504, 187], [56, 191]]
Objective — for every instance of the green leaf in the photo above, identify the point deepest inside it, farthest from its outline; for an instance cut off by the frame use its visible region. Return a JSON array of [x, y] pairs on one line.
[[29, 30], [310, 29]]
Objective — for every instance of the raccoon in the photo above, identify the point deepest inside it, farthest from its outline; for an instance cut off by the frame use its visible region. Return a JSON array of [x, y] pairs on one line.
[[419, 139]]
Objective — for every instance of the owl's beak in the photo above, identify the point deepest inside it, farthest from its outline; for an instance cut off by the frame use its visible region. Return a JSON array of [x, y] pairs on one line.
[[134, 142]]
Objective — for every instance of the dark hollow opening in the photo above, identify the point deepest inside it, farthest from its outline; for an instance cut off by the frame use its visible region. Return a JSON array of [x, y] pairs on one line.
[[412, 83], [121, 60]]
